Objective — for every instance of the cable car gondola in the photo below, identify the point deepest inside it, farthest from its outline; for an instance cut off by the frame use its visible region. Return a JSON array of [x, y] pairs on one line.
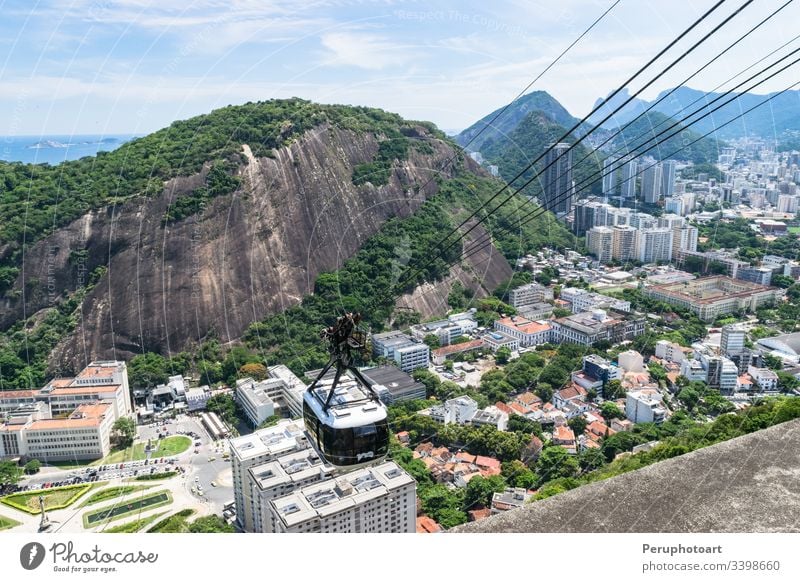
[[343, 416]]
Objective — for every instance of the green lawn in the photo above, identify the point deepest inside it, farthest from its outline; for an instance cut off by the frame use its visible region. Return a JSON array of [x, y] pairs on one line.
[[793, 229], [124, 508], [113, 492], [173, 445], [177, 523], [7, 523], [55, 498], [134, 526]]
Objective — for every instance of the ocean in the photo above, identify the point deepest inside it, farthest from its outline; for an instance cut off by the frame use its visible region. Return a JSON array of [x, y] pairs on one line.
[[54, 149]]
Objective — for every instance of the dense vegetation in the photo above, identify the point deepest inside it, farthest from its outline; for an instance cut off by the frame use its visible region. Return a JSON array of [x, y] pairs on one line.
[[218, 183], [25, 346], [35, 199]]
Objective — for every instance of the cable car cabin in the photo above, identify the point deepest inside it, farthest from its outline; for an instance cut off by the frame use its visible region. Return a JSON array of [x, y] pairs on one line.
[[353, 431]]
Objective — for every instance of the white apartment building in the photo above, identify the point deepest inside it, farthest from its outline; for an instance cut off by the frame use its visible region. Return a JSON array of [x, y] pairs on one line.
[[669, 351], [684, 239], [380, 499], [583, 300], [732, 341], [256, 449], [644, 406], [693, 370], [447, 330], [458, 410], [765, 378], [600, 243], [529, 294], [253, 397], [654, 245], [280, 477], [624, 243]]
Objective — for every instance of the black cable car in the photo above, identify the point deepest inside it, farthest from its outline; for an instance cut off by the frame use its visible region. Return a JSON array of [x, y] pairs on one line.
[[344, 418]]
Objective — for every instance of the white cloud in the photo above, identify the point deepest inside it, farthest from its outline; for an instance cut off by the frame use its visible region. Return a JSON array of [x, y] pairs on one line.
[[365, 51]]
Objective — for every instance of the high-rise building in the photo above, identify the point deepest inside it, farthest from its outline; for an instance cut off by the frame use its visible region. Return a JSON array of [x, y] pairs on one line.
[[372, 500], [668, 168], [558, 185], [674, 206], [671, 221], [651, 184], [732, 341], [600, 242], [684, 238], [609, 178], [585, 215], [628, 183], [654, 245], [624, 243]]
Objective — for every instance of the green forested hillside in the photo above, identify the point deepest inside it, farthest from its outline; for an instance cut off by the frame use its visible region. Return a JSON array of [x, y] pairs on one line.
[[644, 133], [527, 142], [35, 199]]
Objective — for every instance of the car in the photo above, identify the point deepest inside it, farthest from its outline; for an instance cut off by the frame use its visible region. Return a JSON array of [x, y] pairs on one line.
[[213, 483], [136, 472], [210, 459], [152, 470], [197, 479]]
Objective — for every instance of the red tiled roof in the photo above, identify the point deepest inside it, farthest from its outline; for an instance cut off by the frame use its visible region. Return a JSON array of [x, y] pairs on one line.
[[563, 434], [479, 514], [524, 325], [487, 462], [426, 525]]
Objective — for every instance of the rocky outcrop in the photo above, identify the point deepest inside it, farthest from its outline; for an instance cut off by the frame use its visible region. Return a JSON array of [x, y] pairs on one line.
[[242, 257], [481, 273]]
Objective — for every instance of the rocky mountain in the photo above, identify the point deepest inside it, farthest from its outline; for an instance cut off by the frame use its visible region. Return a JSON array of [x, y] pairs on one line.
[[539, 102], [218, 222]]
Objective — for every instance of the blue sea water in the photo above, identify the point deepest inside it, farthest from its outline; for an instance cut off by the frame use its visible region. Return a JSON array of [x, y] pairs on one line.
[[54, 149]]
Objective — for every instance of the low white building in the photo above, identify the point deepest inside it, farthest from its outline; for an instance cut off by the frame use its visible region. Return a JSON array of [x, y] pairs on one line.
[[253, 397], [669, 351], [631, 361], [645, 406], [766, 379], [196, 398]]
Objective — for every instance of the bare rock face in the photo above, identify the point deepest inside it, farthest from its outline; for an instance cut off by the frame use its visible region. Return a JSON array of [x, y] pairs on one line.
[[243, 256], [481, 272]]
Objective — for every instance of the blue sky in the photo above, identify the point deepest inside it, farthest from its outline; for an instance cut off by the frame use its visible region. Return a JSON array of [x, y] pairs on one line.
[[133, 66]]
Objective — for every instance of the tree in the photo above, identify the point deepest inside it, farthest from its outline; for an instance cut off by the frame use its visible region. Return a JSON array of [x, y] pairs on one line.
[[125, 431], [578, 424], [32, 467], [448, 365], [223, 405], [270, 421], [555, 462], [773, 362], [147, 370], [787, 382], [210, 524], [689, 397], [610, 411], [613, 390], [9, 473], [591, 459], [503, 355], [517, 474], [254, 370], [432, 341], [479, 490], [657, 372]]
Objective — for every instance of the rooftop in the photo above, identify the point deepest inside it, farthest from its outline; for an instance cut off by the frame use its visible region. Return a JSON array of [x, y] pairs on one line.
[[746, 484], [284, 437], [524, 325], [707, 290]]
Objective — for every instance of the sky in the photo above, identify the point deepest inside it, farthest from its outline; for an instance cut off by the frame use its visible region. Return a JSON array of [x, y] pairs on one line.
[[134, 66]]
